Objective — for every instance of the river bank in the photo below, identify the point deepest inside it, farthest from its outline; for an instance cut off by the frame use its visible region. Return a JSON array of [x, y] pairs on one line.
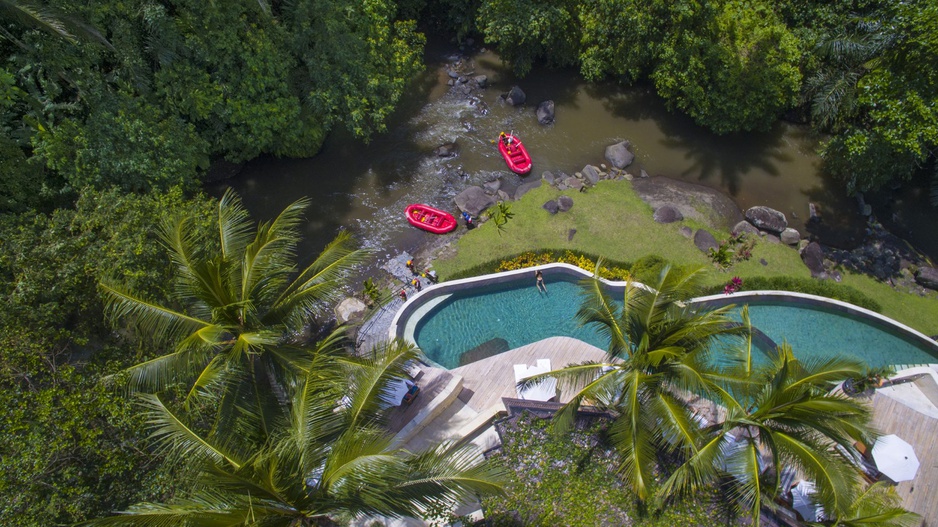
[[366, 187]]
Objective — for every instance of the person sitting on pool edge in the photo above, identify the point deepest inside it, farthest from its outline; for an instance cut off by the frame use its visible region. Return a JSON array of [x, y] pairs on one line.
[[539, 281]]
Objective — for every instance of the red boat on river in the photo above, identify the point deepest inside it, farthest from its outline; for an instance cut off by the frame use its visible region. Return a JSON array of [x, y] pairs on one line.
[[514, 153], [430, 219]]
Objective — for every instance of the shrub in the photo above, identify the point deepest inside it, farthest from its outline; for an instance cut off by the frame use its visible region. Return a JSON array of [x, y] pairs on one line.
[[612, 270], [736, 248], [647, 268], [811, 286]]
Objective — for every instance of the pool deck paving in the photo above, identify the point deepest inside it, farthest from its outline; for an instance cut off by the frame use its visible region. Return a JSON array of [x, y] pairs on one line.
[[491, 379], [921, 494]]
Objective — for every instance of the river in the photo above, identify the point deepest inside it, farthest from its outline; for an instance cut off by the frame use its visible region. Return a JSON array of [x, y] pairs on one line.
[[366, 187]]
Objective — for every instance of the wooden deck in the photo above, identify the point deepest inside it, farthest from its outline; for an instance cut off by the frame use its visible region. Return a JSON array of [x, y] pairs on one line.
[[485, 382], [431, 383], [921, 494]]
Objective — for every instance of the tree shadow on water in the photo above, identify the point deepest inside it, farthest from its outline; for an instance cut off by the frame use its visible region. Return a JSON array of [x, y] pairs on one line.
[[716, 160]]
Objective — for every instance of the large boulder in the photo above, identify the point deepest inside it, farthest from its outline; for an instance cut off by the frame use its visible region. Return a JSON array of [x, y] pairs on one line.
[[515, 96], [790, 236], [668, 214], [551, 207], [744, 227], [565, 203], [619, 155], [447, 150], [591, 174], [927, 277], [545, 112], [704, 240], [525, 187], [474, 200], [702, 204], [813, 258], [350, 310], [481, 81], [492, 186], [767, 219]]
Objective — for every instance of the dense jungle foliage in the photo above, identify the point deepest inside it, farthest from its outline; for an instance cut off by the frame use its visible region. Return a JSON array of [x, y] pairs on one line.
[[112, 111]]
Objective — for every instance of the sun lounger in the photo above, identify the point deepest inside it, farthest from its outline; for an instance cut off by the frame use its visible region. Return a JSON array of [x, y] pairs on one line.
[[543, 391]]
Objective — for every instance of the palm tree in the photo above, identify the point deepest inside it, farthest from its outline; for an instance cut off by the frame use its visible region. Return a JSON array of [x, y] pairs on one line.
[[877, 506], [783, 415], [659, 351], [326, 457], [241, 305], [34, 14], [847, 57]]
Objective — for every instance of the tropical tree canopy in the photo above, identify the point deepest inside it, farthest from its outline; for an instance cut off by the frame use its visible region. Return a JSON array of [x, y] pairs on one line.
[[241, 302], [326, 455]]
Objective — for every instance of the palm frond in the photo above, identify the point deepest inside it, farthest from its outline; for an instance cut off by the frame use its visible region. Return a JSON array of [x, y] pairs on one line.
[[743, 462], [235, 228], [205, 508], [156, 320], [601, 312], [877, 506], [41, 17], [370, 379], [834, 477], [631, 433], [302, 294], [168, 370], [179, 439]]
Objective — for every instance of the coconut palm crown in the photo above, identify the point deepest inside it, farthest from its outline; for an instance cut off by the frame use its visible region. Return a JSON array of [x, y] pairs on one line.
[[782, 415], [325, 459], [659, 351], [239, 301]]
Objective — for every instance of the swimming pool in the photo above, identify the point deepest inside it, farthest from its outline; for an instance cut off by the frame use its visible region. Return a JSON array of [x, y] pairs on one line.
[[487, 317]]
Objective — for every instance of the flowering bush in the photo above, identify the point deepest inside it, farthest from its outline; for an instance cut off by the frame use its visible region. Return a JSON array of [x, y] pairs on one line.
[[735, 285]]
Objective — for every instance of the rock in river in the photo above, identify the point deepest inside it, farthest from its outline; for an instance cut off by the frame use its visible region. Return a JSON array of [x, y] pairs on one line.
[[473, 200], [619, 155], [591, 174], [447, 150], [515, 96], [545, 112]]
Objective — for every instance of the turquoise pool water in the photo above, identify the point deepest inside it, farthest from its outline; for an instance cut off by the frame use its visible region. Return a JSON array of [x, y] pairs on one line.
[[506, 316]]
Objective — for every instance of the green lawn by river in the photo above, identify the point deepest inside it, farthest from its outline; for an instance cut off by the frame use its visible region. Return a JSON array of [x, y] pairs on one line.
[[612, 221]]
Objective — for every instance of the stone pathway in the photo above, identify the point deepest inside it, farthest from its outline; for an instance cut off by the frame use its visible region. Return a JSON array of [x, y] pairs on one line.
[[375, 329]]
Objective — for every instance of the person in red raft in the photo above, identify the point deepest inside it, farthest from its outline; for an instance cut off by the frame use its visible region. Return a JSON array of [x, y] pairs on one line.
[[505, 138]]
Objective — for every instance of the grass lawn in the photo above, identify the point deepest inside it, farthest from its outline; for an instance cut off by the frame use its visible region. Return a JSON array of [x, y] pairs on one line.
[[612, 221]]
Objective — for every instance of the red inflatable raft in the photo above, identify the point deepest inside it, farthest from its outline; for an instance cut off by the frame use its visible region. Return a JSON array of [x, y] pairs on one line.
[[514, 153], [429, 219]]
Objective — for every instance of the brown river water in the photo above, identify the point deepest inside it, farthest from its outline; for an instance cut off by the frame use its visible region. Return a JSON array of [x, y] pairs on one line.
[[366, 187]]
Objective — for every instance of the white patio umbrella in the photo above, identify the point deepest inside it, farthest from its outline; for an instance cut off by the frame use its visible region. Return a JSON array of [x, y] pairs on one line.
[[895, 458], [803, 501]]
